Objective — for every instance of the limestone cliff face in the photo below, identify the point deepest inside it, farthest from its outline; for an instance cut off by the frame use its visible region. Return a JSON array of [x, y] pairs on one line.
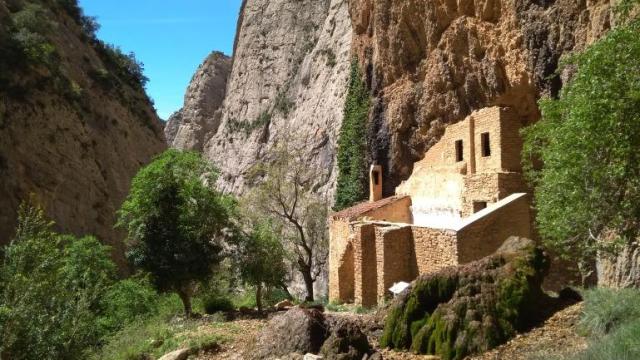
[[288, 81], [427, 63], [72, 133], [432, 62], [201, 114]]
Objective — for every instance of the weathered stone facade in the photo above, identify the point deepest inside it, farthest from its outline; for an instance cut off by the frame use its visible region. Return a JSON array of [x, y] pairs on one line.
[[462, 201]]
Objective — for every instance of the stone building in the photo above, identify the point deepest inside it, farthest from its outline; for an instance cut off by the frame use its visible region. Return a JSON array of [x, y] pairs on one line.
[[461, 202]]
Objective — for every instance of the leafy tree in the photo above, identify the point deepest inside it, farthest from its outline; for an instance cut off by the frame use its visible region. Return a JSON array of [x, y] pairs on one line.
[[175, 221], [261, 259], [285, 196], [51, 291], [352, 146], [589, 186]]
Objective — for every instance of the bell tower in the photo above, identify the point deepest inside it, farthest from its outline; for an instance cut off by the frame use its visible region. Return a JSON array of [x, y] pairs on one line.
[[375, 183]]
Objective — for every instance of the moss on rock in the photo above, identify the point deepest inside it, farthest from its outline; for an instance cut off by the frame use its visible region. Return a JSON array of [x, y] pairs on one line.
[[469, 309]]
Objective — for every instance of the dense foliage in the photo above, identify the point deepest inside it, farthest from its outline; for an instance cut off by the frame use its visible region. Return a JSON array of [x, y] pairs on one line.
[[175, 222], [352, 146], [588, 190], [261, 259], [52, 289]]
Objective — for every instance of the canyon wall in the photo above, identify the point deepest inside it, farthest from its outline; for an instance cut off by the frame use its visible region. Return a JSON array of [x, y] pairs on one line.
[[74, 126]]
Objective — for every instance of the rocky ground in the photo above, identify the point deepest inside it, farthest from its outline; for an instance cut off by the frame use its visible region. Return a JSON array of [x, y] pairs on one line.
[[555, 337]]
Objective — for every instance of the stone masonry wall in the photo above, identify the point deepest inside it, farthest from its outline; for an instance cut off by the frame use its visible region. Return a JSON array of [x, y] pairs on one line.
[[395, 257], [398, 211], [365, 264], [434, 249], [338, 241], [483, 235]]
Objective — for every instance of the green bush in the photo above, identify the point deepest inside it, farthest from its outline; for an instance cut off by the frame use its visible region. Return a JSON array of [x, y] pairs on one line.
[[51, 291], [28, 33], [127, 301], [216, 304], [352, 146]]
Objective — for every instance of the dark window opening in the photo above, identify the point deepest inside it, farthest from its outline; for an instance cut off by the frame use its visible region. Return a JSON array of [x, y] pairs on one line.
[[486, 144], [376, 180], [459, 151], [479, 205]]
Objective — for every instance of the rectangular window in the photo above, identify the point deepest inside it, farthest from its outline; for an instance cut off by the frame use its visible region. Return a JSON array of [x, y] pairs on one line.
[[376, 179], [459, 151], [479, 205], [486, 144]]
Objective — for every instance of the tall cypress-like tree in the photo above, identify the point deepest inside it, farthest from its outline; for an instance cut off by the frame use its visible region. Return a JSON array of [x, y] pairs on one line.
[[352, 144]]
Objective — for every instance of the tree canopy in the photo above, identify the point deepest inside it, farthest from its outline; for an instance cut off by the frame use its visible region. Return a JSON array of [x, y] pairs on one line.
[[175, 221], [588, 142]]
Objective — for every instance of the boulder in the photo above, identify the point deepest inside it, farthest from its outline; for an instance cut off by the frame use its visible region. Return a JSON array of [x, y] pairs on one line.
[[346, 342], [298, 331], [181, 354], [469, 309]]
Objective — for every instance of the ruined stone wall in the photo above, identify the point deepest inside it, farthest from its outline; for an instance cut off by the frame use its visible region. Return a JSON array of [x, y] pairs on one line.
[[510, 140], [434, 248], [485, 231], [396, 259]]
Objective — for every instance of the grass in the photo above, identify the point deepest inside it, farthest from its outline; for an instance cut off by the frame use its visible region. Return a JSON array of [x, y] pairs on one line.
[[350, 308], [155, 337], [611, 319]]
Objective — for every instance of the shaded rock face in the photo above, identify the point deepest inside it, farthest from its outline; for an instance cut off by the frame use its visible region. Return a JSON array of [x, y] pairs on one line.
[[470, 309], [201, 113], [78, 150], [288, 81], [435, 68]]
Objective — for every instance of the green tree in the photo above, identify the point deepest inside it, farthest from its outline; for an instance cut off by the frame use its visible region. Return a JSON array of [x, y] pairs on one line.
[[176, 221], [589, 185], [51, 291], [352, 145], [261, 259]]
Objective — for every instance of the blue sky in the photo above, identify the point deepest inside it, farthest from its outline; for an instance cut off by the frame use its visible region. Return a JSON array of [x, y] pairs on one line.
[[170, 37]]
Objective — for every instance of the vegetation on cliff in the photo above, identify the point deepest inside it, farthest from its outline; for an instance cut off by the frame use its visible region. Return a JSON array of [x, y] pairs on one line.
[[588, 189], [458, 312], [352, 144]]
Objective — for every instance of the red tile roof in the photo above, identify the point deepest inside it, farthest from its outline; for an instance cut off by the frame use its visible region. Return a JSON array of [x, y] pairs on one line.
[[364, 207]]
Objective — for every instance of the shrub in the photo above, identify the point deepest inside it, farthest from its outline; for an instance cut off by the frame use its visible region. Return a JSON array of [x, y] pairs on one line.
[[51, 291], [128, 300], [28, 33], [214, 304], [352, 168]]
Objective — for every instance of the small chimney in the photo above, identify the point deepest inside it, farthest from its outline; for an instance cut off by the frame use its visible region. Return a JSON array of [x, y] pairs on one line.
[[375, 183]]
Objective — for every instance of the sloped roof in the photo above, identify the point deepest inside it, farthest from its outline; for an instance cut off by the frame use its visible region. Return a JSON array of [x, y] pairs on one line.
[[364, 207]]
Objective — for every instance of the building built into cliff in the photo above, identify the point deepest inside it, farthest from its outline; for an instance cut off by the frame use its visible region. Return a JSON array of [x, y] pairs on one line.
[[461, 202]]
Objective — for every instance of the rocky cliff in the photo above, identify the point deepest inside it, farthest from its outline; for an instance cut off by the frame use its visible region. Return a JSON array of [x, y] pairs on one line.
[[427, 64], [75, 122], [201, 114], [288, 80]]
